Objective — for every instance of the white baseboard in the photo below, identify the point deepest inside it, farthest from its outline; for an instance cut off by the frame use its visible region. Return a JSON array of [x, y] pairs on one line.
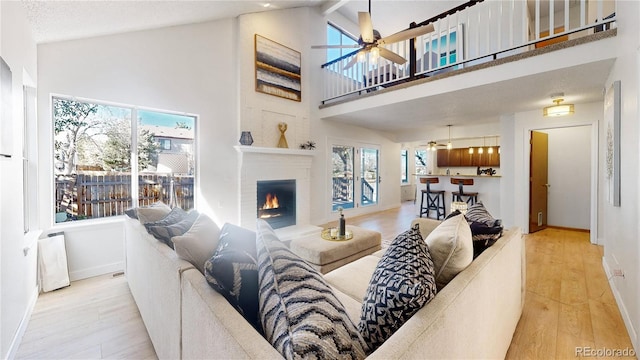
[[96, 271], [17, 339], [621, 306]]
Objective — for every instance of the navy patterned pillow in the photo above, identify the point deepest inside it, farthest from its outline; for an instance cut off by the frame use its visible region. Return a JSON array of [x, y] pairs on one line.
[[300, 314], [402, 283], [233, 271], [174, 224], [485, 230]]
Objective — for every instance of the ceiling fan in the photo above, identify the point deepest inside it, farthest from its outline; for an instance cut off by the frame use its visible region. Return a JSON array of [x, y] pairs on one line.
[[432, 145], [370, 40]]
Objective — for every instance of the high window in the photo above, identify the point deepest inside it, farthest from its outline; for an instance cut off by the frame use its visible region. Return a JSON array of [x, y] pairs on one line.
[[99, 148], [336, 36]]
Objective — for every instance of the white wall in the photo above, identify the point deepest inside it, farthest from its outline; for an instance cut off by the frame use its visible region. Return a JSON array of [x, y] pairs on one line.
[[298, 29], [184, 68], [569, 165], [622, 229], [589, 115], [18, 289], [258, 112]]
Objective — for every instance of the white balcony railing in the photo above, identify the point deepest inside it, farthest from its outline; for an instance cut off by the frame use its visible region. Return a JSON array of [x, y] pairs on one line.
[[476, 32]]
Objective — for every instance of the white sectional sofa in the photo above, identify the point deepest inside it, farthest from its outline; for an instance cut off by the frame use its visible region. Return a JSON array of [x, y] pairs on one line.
[[474, 316]]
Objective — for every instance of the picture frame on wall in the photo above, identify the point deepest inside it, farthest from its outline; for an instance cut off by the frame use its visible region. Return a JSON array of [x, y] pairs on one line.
[[277, 69], [612, 123]]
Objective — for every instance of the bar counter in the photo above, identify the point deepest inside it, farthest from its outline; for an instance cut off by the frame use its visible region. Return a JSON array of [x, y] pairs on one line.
[[487, 187]]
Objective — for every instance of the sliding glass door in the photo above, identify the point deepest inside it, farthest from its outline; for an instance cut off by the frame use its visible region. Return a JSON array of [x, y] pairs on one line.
[[342, 162], [369, 176], [349, 188]]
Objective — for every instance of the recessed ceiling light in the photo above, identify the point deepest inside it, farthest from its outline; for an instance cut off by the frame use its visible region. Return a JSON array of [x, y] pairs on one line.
[[266, 5]]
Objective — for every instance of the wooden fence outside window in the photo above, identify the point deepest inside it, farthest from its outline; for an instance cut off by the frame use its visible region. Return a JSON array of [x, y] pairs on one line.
[[87, 196]]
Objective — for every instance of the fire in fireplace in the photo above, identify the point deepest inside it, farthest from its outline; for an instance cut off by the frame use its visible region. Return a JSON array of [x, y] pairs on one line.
[[277, 202]]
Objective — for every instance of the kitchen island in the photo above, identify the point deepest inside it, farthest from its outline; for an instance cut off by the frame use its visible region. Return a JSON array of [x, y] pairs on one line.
[[487, 187]]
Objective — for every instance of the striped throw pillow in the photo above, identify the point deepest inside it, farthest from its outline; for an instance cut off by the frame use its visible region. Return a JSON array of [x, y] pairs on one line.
[[300, 314]]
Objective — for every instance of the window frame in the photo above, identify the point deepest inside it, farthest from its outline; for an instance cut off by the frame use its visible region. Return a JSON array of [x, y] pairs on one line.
[[404, 165], [135, 173], [343, 34]]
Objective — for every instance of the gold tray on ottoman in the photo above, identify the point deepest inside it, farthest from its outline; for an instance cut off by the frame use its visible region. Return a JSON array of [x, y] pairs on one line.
[[326, 234]]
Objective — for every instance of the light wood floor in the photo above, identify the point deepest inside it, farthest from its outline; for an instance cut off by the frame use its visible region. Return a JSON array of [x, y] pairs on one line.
[[568, 304]]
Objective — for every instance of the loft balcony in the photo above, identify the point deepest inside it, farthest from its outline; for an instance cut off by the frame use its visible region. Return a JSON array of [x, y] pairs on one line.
[[478, 35]]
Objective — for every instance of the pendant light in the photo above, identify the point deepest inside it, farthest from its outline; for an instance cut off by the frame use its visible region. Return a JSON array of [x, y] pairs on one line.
[[449, 146], [490, 150], [481, 148]]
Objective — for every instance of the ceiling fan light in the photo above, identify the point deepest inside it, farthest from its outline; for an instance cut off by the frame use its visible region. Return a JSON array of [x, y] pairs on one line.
[[375, 53], [361, 56]]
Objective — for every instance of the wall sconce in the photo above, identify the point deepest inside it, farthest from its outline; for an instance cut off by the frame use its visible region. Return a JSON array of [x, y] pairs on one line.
[[558, 109]]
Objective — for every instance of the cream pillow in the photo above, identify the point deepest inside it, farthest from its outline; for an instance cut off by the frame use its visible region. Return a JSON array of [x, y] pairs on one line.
[[198, 244], [156, 211], [451, 248]]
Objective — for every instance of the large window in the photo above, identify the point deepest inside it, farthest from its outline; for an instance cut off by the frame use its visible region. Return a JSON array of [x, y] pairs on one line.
[[96, 155], [335, 36]]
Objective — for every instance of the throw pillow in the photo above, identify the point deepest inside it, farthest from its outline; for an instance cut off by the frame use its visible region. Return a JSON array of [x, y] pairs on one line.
[[451, 248], [402, 283], [485, 230], [233, 271], [174, 224], [300, 314], [154, 212], [479, 213], [483, 236], [199, 242]]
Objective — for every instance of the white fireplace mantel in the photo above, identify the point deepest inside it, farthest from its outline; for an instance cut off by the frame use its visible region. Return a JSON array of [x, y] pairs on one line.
[[270, 150], [263, 163]]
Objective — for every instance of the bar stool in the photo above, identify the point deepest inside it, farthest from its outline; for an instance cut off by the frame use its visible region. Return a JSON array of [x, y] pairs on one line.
[[460, 195], [435, 198]]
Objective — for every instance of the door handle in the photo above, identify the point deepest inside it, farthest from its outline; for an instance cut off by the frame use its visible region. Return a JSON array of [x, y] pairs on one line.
[[547, 185]]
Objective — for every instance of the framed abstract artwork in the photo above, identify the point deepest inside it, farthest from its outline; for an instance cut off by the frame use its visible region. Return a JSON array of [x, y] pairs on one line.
[[277, 69]]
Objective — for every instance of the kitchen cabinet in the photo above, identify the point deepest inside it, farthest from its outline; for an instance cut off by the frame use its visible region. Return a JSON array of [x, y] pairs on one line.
[[461, 157]]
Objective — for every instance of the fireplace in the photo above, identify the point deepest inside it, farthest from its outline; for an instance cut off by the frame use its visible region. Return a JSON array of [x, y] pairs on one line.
[[276, 202]]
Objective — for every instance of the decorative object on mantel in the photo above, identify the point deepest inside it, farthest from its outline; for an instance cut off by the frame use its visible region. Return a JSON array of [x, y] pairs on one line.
[[282, 143], [277, 69], [309, 145], [488, 171], [246, 138]]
